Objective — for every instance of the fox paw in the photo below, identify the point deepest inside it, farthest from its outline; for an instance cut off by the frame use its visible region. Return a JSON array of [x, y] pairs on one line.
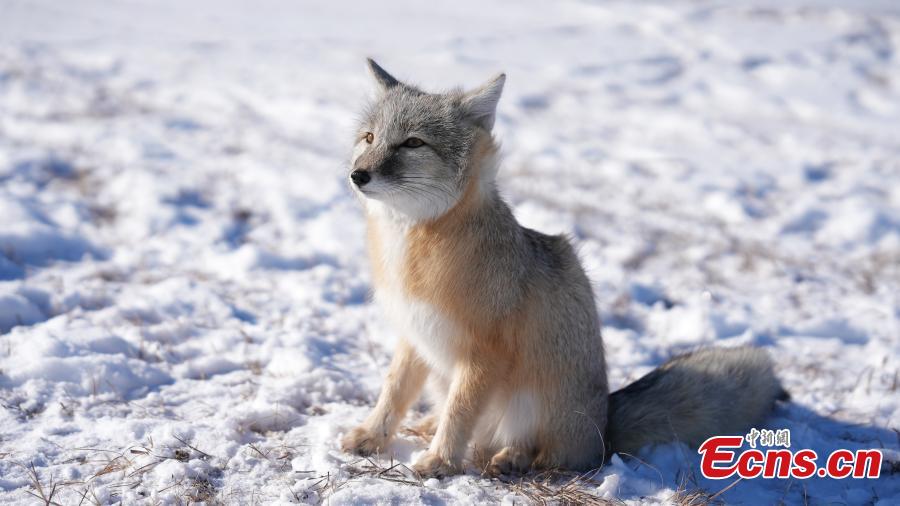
[[363, 441], [432, 465], [509, 461]]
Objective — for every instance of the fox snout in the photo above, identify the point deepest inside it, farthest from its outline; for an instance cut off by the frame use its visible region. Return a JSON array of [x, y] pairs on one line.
[[374, 163], [360, 177]]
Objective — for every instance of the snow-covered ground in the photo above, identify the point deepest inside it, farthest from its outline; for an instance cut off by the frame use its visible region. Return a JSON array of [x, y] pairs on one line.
[[184, 309]]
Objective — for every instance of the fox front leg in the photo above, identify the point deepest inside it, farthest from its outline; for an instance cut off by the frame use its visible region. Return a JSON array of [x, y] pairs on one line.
[[468, 392], [401, 388]]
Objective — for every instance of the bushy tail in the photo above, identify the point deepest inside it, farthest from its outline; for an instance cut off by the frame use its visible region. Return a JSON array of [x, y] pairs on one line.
[[711, 392]]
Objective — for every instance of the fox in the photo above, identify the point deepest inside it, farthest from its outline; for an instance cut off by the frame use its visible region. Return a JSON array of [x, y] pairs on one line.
[[498, 322]]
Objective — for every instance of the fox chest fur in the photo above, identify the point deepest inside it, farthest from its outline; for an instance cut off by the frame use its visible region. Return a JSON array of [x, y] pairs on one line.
[[432, 288], [437, 337]]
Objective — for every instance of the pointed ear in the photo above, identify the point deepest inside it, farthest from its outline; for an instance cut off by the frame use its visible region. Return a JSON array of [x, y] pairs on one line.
[[481, 102], [384, 80]]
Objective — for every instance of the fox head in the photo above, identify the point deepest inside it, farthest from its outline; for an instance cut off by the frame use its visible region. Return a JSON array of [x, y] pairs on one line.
[[414, 151]]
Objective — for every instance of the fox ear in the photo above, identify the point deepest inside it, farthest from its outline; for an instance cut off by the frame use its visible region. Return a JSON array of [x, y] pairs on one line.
[[481, 102], [384, 80]]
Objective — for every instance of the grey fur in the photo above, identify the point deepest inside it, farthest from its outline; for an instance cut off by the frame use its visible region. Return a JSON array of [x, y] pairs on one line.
[[402, 111], [715, 391]]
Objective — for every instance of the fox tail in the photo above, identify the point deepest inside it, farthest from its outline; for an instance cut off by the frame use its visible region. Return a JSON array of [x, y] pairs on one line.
[[710, 392]]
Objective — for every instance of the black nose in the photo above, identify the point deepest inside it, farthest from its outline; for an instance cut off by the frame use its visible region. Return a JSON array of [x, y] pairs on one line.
[[360, 177]]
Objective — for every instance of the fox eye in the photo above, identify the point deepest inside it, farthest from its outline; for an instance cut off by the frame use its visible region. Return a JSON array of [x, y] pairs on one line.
[[369, 137], [413, 142]]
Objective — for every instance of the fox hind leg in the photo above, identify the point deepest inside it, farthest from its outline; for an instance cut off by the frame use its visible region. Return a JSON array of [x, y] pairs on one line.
[[574, 440]]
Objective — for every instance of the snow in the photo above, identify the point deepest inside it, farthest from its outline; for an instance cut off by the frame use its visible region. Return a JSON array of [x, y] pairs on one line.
[[184, 310]]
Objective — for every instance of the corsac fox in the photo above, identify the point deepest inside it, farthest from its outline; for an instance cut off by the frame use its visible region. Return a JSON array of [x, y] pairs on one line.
[[499, 320]]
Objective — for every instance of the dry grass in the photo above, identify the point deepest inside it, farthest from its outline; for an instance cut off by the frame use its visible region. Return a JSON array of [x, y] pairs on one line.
[[395, 472], [39, 491], [689, 492], [22, 413], [121, 471], [542, 488], [558, 487], [694, 497]]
